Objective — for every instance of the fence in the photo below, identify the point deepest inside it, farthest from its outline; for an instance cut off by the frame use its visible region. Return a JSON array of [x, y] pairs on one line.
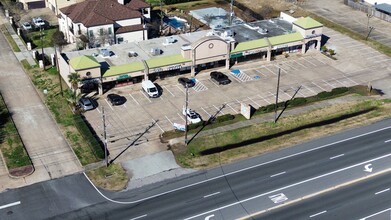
[[367, 9]]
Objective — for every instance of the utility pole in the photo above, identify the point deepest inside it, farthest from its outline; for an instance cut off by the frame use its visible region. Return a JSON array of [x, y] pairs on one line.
[[186, 105], [43, 55], [231, 12], [278, 88], [104, 135]]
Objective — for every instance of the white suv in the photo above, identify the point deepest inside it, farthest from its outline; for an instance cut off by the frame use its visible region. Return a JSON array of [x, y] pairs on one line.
[[38, 22]]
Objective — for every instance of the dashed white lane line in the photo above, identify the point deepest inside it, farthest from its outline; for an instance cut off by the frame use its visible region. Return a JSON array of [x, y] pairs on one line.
[[134, 99], [143, 93], [340, 155], [319, 213], [141, 216], [377, 213], [165, 88], [277, 174], [387, 141], [213, 194], [10, 205], [382, 191]]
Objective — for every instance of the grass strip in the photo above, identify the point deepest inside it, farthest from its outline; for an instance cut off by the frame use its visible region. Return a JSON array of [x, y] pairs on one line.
[[113, 178], [9, 38]]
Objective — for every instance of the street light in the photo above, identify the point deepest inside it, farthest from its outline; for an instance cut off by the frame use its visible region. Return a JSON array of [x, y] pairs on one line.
[[186, 104]]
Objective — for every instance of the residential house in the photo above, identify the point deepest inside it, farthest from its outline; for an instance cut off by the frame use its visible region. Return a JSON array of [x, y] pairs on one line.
[[104, 22]]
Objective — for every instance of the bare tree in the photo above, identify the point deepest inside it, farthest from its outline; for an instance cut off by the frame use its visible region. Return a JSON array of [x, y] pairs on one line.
[[105, 38]]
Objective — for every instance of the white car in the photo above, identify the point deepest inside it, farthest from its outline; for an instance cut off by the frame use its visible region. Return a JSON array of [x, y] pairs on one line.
[[38, 22], [192, 116], [27, 26]]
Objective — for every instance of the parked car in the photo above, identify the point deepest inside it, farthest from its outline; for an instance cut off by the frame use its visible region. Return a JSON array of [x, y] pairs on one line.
[[85, 104], [220, 78], [115, 99], [192, 116], [27, 26], [38, 22], [186, 82]]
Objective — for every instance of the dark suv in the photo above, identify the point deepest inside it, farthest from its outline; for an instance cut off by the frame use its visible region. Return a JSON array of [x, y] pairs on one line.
[[220, 78], [115, 99]]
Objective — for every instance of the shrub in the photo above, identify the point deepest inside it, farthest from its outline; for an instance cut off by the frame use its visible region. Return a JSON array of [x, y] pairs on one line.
[[297, 101], [85, 131], [194, 126], [340, 90], [223, 118]]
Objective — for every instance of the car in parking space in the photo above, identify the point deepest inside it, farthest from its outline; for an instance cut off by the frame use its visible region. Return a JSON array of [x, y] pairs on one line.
[[186, 82], [85, 104], [27, 26], [220, 78], [115, 99], [192, 116], [38, 22]]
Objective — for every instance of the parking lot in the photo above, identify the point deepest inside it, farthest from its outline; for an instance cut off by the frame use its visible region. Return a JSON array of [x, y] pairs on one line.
[[252, 83]]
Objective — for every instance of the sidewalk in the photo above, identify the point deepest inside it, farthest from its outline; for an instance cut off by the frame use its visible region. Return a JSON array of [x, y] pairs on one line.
[[50, 153]]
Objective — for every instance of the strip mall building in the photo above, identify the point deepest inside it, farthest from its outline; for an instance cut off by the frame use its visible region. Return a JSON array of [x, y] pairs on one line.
[[131, 63]]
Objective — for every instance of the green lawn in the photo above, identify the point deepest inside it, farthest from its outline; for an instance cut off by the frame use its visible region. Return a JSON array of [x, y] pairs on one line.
[[46, 40]]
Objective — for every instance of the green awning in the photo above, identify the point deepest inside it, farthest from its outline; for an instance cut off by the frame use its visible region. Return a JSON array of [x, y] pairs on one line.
[[83, 62], [284, 39], [123, 69], [166, 61]]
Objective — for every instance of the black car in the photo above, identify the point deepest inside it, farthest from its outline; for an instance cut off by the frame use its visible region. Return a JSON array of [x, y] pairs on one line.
[[186, 82], [220, 78], [115, 99]]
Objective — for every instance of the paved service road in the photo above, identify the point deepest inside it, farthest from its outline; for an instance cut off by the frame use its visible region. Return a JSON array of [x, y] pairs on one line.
[[229, 192], [370, 199], [50, 153]]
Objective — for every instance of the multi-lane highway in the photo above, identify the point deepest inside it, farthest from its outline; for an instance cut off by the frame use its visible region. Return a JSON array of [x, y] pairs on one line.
[[229, 192]]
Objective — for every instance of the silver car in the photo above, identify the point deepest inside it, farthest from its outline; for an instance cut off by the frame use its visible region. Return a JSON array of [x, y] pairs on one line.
[[86, 104]]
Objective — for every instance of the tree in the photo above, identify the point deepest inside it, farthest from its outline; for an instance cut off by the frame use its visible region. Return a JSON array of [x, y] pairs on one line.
[[58, 40], [74, 79], [72, 98], [104, 37]]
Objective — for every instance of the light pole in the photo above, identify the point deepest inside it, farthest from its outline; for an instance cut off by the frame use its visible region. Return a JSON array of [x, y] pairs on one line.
[[186, 104], [278, 88]]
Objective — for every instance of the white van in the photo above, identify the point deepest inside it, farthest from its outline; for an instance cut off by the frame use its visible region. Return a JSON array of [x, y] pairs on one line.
[[150, 88]]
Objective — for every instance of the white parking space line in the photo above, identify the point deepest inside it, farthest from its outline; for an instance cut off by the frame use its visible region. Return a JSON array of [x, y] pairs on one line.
[[308, 61], [259, 71], [375, 57], [168, 119], [214, 83], [206, 112], [319, 60], [282, 69], [318, 86], [109, 104], [143, 93], [355, 83], [334, 157], [300, 64], [153, 120], [319, 213], [181, 116], [290, 66], [98, 110], [236, 112], [298, 91], [309, 89], [381, 61], [134, 99], [328, 83], [385, 190], [265, 99], [254, 102], [218, 109], [270, 70], [165, 88], [277, 174], [182, 90], [340, 82], [289, 96]]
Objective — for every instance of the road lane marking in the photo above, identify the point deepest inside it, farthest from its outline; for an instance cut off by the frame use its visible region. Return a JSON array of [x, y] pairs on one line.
[[254, 102], [278, 198], [318, 86], [277, 174], [328, 84], [206, 112], [10, 205], [220, 110], [340, 155], [141, 216], [109, 104], [182, 117], [252, 167], [385, 190], [134, 99], [165, 88], [319, 213], [209, 217], [236, 112], [374, 214], [286, 187], [143, 93], [168, 120], [157, 125], [213, 194], [265, 99], [387, 141]]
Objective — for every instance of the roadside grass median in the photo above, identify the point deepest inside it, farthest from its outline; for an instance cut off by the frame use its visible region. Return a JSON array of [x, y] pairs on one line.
[[14, 153], [83, 142], [9, 38], [113, 178], [226, 147]]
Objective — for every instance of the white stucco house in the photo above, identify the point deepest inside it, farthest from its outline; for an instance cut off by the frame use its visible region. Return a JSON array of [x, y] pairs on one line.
[[105, 22]]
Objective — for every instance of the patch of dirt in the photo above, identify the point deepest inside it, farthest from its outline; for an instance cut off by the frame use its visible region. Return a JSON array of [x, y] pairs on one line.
[[21, 171]]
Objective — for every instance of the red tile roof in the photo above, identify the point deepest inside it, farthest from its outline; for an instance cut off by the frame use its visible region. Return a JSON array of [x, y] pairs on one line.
[[130, 28], [99, 12]]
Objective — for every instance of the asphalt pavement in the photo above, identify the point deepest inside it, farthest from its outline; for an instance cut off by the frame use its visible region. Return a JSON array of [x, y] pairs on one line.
[[228, 192]]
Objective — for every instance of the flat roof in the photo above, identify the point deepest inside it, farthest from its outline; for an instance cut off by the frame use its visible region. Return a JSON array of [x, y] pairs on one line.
[[384, 7], [122, 69], [284, 39], [83, 62], [250, 45], [307, 23]]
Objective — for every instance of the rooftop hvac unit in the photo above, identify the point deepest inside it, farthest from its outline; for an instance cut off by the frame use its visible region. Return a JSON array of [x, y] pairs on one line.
[[155, 51], [170, 40]]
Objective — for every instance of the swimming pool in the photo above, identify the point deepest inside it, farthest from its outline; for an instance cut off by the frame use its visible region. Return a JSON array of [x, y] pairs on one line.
[[175, 22]]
